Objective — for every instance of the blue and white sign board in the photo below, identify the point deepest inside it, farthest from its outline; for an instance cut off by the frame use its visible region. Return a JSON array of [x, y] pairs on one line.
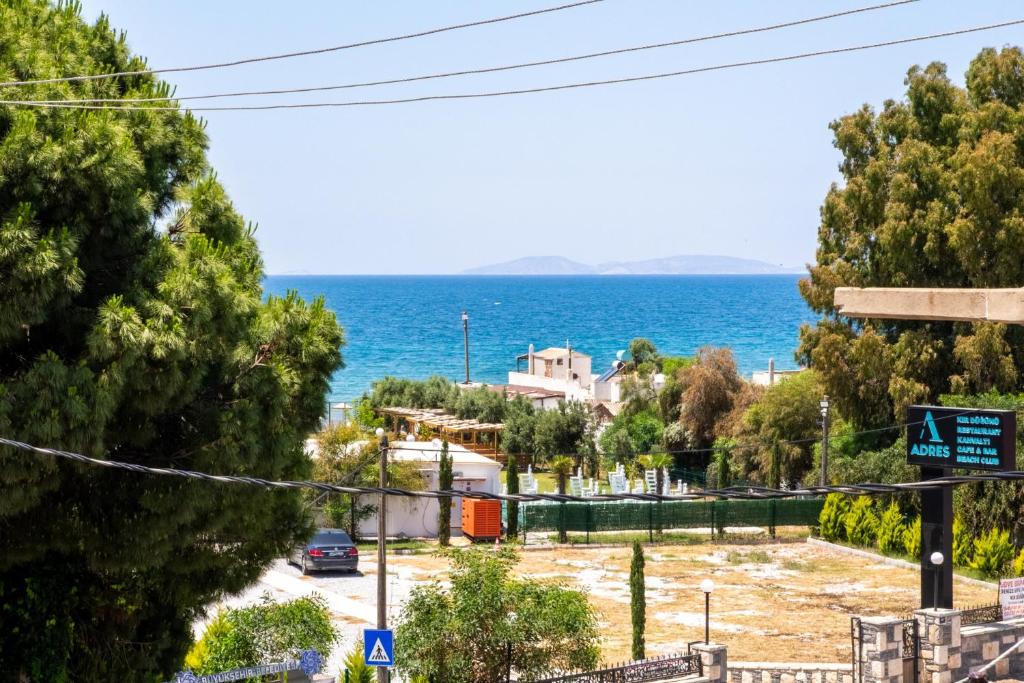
[[378, 647], [967, 438]]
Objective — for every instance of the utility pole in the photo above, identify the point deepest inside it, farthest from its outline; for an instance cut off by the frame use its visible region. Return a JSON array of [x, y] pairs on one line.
[[465, 339], [382, 530], [824, 441]]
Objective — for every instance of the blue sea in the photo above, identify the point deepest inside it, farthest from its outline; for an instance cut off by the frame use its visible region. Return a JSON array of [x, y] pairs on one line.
[[410, 326]]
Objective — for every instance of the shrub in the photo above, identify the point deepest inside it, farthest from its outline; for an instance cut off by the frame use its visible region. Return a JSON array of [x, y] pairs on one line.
[[358, 670], [891, 530], [992, 552], [861, 522], [963, 548], [833, 514], [912, 538], [1018, 565]]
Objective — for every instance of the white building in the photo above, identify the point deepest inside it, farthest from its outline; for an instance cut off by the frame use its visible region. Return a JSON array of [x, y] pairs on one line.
[[417, 517], [770, 377], [560, 370]]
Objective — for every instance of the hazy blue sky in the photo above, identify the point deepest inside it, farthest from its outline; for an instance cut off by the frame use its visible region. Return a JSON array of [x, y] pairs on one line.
[[732, 162]]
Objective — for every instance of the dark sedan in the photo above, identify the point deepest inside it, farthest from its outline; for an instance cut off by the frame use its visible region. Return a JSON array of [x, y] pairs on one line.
[[329, 549]]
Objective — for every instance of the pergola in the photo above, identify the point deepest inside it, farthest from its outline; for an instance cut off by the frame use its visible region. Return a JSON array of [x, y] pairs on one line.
[[454, 429]]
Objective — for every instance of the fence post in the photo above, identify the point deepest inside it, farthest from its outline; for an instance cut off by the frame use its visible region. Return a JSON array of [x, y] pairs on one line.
[[650, 522], [586, 522], [771, 517], [712, 503]]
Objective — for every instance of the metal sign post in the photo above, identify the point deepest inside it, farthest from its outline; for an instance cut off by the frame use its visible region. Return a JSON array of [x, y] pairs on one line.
[[940, 439]]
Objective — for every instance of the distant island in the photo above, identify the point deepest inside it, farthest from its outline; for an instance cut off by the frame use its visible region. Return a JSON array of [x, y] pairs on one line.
[[686, 264]]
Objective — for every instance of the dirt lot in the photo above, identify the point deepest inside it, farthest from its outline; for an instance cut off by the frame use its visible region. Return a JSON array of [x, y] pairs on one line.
[[772, 602]]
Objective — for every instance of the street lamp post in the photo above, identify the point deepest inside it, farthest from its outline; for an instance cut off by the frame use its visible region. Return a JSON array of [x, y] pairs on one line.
[[707, 585], [824, 441], [465, 340], [936, 559], [382, 530]]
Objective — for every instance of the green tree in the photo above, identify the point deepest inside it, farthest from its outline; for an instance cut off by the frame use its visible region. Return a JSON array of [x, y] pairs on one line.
[[446, 479], [264, 633], [643, 352], [932, 196], [832, 520], [723, 464], [512, 482], [912, 538], [710, 388], [566, 429], [861, 522], [355, 664], [963, 548], [891, 531], [520, 421], [787, 412], [993, 552], [562, 467], [638, 600], [133, 326], [488, 624]]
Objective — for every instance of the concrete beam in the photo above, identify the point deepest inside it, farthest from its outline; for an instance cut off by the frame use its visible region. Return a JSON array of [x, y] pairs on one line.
[[907, 303]]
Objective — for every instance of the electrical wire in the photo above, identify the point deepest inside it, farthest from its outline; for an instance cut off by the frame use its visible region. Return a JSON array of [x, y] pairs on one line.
[[302, 53], [736, 492], [493, 69], [525, 91]]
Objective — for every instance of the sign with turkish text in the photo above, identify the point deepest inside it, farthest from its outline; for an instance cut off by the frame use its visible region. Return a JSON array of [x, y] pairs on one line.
[[1011, 597], [967, 438]]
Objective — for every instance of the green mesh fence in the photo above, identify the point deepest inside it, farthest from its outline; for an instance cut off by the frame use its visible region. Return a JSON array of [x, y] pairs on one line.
[[628, 516]]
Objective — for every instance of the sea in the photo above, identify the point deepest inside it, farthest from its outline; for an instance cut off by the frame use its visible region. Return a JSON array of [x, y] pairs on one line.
[[411, 326]]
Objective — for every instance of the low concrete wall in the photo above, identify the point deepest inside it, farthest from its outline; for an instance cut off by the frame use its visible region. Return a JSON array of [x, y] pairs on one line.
[[789, 672]]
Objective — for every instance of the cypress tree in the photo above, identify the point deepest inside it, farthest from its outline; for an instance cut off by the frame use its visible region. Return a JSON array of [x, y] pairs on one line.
[[638, 599], [133, 326], [444, 507], [512, 480]]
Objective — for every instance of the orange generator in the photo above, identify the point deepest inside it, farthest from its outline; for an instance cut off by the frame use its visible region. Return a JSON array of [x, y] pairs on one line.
[[481, 519]]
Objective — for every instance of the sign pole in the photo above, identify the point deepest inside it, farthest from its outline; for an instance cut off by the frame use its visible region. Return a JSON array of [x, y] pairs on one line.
[[936, 536]]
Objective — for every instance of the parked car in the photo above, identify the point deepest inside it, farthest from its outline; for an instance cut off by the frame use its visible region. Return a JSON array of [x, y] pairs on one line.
[[327, 549]]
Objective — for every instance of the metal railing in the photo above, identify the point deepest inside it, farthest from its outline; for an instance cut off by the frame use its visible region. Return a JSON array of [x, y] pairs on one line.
[[658, 669], [981, 614]]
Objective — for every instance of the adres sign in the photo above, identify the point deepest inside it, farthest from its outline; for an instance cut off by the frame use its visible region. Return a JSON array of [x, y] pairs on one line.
[[967, 438]]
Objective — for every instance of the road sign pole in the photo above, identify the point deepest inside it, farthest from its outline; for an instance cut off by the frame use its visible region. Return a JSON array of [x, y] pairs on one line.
[[382, 525]]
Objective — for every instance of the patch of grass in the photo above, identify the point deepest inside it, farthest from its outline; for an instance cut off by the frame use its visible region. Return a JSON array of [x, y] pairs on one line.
[[795, 565], [627, 538], [753, 557], [406, 545], [959, 571]]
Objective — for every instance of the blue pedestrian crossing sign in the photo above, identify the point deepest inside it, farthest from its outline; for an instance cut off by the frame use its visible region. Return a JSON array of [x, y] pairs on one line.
[[378, 647]]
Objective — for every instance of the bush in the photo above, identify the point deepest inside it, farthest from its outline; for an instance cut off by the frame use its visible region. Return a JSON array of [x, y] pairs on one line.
[[1018, 565], [891, 530], [832, 517], [358, 670], [912, 538], [992, 552], [861, 522], [963, 548]]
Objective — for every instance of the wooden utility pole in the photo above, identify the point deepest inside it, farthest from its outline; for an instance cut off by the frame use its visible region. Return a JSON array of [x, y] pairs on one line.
[[465, 340], [382, 531]]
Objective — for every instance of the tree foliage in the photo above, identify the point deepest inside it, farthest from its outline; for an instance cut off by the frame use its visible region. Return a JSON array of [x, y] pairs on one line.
[[709, 390], [637, 600], [512, 485], [446, 480], [993, 552], [263, 633], [861, 522], [832, 519], [932, 196], [891, 531], [488, 624], [133, 325]]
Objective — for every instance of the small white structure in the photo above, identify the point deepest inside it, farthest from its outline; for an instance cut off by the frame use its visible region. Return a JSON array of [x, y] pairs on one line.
[[417, 517], [556, 369], [772, 376]]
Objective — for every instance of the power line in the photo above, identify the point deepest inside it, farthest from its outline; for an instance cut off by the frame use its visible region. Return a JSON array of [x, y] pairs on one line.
[[525, 91], [737, 492], [302, 53], [493, 69]]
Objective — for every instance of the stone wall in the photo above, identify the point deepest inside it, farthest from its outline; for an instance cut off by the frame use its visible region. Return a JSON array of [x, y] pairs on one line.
[[789, 672], [980, 644]]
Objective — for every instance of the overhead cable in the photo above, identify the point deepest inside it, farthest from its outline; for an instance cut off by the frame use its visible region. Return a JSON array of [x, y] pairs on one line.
[[524, 91], [493, 69], [735, 492], [301, 53]]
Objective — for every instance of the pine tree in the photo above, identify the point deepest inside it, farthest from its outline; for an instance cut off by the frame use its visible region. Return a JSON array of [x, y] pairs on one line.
[[512, 480], [638, 599], [133, 326], [444, 507]]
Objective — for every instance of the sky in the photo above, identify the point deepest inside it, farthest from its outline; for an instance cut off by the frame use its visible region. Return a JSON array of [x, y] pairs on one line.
[[732, 162]]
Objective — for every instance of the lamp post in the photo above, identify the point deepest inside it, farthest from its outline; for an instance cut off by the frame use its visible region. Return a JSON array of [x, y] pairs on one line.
[[382, 530], [936, 560], [707, 585], [824, 440], [465, 340]]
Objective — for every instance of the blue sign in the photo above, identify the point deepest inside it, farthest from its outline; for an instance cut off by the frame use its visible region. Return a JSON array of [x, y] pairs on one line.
[[378, 647], [309, 662], [967, 438]]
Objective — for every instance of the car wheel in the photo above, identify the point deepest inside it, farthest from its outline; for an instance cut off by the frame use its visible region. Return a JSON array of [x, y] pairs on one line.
[[305, 569]]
